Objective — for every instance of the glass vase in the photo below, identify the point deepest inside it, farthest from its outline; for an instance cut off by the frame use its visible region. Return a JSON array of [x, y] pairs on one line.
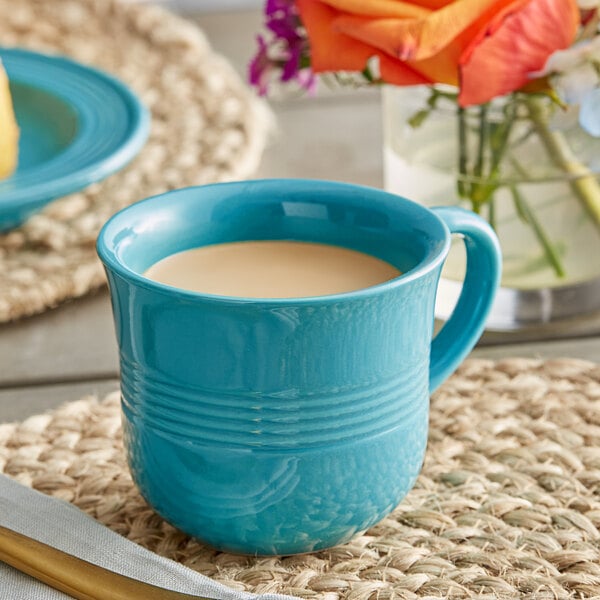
[[527, 167]]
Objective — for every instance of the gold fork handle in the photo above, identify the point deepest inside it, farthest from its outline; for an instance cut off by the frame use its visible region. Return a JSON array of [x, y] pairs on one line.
[[76, 577]]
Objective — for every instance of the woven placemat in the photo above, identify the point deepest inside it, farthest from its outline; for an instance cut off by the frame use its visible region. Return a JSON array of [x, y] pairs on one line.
[[507, 505], [207, 126]]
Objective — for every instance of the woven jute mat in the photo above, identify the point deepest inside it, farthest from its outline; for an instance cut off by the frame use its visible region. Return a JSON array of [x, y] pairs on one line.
[[207, 126], [507, 505]]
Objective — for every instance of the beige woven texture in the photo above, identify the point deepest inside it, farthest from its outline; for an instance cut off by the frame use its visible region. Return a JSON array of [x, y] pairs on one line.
[[507, 505], [207, 126]]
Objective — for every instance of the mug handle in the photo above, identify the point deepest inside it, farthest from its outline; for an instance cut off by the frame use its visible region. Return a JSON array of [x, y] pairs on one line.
[[466, 323]]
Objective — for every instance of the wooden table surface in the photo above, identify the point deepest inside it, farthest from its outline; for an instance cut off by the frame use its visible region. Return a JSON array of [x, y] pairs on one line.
[[70, 351]]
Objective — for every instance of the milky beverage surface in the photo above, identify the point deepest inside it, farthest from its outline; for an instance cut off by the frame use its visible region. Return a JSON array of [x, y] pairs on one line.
[[271, 269]]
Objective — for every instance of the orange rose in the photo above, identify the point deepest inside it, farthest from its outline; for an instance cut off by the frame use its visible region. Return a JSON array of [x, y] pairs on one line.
[[486, 47]]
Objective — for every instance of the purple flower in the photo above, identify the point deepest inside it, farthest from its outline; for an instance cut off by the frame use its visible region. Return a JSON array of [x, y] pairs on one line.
[[274, 6], [307, 80], [291, 66], [285, 28], [260, 66], [282, 19], [285, 53]]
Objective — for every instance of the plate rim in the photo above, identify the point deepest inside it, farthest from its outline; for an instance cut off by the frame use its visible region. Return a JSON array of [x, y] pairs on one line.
[[136, 135]]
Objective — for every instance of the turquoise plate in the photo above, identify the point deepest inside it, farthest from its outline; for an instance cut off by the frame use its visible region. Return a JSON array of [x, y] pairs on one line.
[[78, 125]]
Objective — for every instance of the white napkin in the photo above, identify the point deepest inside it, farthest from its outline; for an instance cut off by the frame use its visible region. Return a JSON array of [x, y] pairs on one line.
[[67, 528]]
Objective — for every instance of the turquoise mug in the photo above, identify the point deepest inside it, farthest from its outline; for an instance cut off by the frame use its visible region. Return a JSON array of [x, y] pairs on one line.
[[281, 426]]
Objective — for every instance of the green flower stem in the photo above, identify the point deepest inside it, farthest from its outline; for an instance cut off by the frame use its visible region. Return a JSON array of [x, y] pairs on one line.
[[529, 217], [492, 213], [479, 193], [484, 131], [483, 190], [461, 184], [584, 183], [469, 184]]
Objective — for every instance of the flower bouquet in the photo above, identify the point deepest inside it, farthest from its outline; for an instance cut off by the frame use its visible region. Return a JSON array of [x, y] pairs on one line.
[[491, 104]]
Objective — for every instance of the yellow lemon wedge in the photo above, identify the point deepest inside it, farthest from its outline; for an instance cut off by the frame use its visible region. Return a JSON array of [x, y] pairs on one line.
[[9, 132]]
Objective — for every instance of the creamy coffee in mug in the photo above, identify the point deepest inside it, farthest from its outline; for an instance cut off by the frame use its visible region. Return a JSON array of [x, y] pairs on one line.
[[271, 269]]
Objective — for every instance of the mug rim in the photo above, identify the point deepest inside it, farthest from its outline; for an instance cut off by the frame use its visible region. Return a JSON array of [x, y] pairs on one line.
[[108, 255]]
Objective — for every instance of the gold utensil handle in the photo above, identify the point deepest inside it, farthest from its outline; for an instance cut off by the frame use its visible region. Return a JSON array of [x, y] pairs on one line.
[[73, 576]]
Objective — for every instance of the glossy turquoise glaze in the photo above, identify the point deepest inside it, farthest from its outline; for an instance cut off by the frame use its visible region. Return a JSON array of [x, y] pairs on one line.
[[77, 126], [285, 426]]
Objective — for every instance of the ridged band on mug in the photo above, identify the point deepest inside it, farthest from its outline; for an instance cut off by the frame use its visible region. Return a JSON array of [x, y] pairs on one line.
[[286, 419]]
